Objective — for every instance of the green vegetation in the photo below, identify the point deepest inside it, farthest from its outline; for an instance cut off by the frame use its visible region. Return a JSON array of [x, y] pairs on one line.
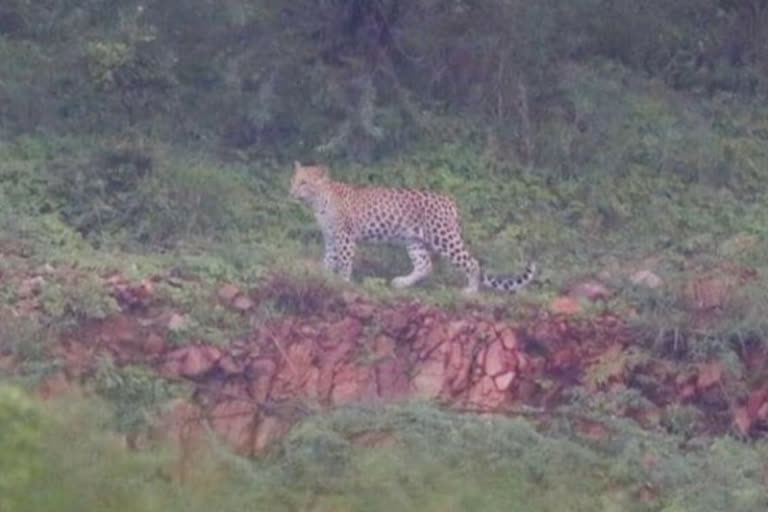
[[411, 457]]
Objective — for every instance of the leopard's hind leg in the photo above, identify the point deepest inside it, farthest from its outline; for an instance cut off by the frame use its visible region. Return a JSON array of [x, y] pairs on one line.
[[422, 264]]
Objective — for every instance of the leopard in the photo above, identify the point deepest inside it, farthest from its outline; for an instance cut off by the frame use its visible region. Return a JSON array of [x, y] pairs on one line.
[[423, 221]]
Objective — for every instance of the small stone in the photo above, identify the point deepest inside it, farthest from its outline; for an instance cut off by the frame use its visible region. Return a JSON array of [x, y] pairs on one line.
[[592, 290], [565, 306], [177, 322], [503, 381], [243, 303], [646, 278]]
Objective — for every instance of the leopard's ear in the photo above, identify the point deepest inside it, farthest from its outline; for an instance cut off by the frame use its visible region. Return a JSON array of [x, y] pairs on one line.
[[296, 165]]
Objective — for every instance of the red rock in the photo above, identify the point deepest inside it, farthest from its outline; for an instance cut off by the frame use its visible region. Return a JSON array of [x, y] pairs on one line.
[[235, 388], [709, 374], [293, 373], [395, 320], [687, 391], [361, 310], [454, 328], [565, 306], [384, 346], [349, 384], [484, 329], [756, 400], [134, 295], [269, 429], [429, 379], [243, 303], [646, 278], [299, 357], [429, 341], [392, 379], [461, 363], [191, 360], [742, 421], [121, 329], [154, 344], [262, 366], [146, 289], [523, 362], [494, 361], [311, 386], [261, 382], [564, 357], [347, 330], [527, 390], [229, 366], [328, 364], [485, 396], [181, 423], [504, 380], [235, 421], [455, 356], [509, 339]]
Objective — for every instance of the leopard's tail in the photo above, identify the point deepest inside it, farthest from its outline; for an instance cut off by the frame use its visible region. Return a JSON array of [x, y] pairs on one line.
[[510, 283]]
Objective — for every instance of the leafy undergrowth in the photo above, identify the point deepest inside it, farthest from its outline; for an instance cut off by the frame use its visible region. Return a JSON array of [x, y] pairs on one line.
[[62, 456], [144, 216], [118, 254]]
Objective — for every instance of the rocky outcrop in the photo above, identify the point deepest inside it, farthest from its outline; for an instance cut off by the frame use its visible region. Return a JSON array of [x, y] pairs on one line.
[[329, 348], [252, 388]]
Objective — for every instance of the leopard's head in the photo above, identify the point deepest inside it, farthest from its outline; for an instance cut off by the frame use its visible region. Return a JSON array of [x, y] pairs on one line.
[[308, 181]]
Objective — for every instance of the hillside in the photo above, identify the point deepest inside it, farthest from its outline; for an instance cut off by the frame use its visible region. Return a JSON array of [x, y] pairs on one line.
[[163, 305]]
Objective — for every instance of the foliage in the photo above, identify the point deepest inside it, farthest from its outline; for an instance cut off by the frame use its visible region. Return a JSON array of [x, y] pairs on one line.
[[413, 457], [354, 78], [22, 462], [28, 343], [207, 319], [133, 391], [69, 303]]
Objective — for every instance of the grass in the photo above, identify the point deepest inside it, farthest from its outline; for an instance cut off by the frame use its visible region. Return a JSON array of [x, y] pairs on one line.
[[412, 457], [654, 176]]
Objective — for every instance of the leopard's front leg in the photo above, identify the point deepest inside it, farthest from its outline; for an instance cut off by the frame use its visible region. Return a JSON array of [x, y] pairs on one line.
[[340, 254], [331, 260]]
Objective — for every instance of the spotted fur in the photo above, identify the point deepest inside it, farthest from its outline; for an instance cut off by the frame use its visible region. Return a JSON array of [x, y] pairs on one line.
[[424, 222]]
